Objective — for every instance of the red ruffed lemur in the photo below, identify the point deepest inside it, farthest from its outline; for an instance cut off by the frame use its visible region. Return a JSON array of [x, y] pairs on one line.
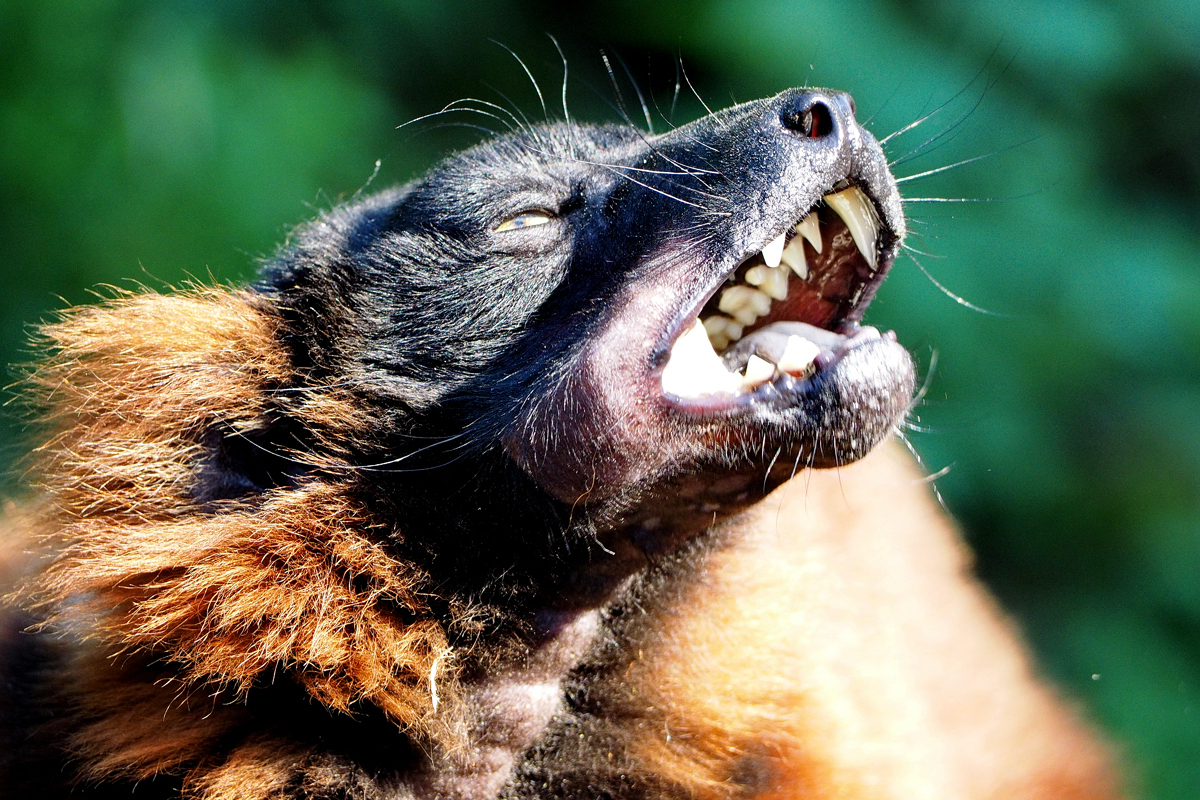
[[556, 473]]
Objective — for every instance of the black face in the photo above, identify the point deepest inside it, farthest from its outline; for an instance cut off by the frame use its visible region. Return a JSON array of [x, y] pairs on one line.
[[652, 329]]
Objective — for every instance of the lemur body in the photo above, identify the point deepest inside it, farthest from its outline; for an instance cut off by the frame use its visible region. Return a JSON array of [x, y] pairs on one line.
[[515, 482]]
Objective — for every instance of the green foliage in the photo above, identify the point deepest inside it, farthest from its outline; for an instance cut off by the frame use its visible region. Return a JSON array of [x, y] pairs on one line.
[[156, 140]]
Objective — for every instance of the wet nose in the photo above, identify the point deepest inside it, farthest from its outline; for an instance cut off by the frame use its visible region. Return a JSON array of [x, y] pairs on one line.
[[817, 114]]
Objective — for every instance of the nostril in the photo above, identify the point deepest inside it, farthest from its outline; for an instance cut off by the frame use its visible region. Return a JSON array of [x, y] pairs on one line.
[[813, 122]]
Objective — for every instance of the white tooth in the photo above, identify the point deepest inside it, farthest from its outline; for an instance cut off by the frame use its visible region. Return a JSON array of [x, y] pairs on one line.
[[717, 339], [744, 304], [798, 357], [859, 215], [722, 331], [714, 325], [759, 303], [776, 284], [758, 370], [771, 280], [745, 316], [793, 258], [809, 229], [772, 251], [694, 369]]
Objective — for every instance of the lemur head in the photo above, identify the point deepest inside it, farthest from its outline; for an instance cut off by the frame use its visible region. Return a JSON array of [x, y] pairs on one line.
[[648, 329]]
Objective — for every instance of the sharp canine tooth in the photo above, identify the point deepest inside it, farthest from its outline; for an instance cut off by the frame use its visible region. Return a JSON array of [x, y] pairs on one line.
[[772, 251], [858, 213], [809, 229], [793, 258], [758, 371], [798, 356], [694, 368], [744, 304]]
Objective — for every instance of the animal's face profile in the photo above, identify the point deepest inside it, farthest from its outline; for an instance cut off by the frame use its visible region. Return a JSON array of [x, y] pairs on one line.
[[464, 499], [540, 293]]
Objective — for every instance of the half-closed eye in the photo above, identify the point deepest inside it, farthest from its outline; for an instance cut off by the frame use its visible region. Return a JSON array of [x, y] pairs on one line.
[[526, 219]]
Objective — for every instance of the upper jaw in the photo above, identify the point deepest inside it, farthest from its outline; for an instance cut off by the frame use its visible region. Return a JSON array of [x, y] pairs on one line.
[[787, 310]]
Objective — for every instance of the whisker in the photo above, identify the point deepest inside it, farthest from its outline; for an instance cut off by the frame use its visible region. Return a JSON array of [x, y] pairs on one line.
[[616, 88], [335, 466], [675, 95], [374, 174], [522, 122], [929, 172], [566, 113], [920, 395], [771, 466], [912, 249], [526, 123], [693, 88], [879, 110], [637, 90], [962, 301], [921, 120], [536, 88], [513, 125], [963, 118], [448, 109], [615, 169], [480, 128]]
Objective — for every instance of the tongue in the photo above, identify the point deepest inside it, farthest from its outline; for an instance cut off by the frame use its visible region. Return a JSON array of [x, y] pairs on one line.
[[771, 342]]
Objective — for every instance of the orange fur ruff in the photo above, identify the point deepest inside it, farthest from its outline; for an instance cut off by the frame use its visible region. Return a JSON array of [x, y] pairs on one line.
[[833, 645], [839, 647], [293, 583]]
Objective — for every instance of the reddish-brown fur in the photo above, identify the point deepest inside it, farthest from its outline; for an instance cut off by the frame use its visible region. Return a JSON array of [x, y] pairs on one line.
[[832, 646], [288, 584], [839, 647]]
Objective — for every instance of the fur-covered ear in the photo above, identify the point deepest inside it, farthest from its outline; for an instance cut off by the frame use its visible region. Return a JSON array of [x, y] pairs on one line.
[[288, 579]]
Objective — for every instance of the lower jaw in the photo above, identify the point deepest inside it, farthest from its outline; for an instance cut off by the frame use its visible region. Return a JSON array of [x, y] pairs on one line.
[[768, 365]]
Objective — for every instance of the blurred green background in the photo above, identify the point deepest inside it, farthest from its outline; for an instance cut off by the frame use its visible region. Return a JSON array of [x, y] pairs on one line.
[[150, 141]]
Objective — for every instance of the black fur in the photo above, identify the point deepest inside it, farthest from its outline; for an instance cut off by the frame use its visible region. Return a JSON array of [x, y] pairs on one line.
[[516, 438], [467, 346]]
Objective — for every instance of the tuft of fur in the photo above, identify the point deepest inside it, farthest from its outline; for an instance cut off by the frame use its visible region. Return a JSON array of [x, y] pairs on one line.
[[830, 643], [415, 518], [232, 592]]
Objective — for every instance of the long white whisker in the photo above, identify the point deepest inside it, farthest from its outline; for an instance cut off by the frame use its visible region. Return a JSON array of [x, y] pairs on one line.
[[536, 88], [962, 301], [921, 120], [612, 78], [638, 91], [693, 88], [929, 172]]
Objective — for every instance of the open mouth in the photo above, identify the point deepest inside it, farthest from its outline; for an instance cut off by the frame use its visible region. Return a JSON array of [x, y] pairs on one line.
[[787, 312]]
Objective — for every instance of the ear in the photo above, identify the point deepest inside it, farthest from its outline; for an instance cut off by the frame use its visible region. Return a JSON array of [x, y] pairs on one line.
[[235, 587]]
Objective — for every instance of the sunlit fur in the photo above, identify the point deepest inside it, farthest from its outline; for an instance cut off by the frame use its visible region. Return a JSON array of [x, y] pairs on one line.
[[412, 519], [229, 592], [834, 645]]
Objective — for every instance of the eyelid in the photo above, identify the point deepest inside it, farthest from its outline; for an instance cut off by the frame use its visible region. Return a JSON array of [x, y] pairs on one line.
[[526, 219]]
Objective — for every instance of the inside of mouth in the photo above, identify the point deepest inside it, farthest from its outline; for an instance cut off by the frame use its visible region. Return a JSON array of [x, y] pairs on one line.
[[768, 324]]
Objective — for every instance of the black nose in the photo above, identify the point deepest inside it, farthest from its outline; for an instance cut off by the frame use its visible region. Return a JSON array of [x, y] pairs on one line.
[[816, 115]]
